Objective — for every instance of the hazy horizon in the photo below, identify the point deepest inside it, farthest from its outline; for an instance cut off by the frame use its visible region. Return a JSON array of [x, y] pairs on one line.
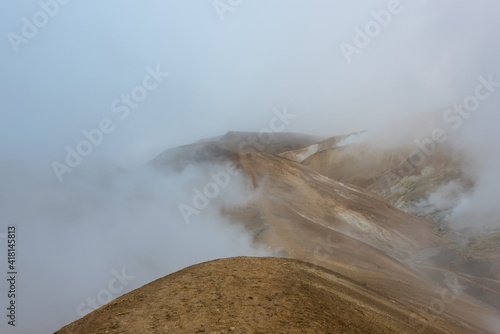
[[159, 74]]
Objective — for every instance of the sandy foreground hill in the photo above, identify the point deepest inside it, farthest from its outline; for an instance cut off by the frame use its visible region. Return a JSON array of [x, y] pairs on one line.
[[257, 295], [356, 260]]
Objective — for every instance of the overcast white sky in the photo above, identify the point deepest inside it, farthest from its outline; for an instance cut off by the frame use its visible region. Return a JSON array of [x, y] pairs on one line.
[[229, 75], [223, 75]]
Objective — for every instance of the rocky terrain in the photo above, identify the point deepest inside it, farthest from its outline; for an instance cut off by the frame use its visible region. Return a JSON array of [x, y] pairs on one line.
[[357, 248]]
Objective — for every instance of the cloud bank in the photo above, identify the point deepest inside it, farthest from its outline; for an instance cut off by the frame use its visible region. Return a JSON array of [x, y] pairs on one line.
[[65, 64], [102, 233]]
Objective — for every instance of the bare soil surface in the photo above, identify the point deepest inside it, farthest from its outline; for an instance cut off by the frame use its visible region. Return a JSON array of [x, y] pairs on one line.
[[257, 295]]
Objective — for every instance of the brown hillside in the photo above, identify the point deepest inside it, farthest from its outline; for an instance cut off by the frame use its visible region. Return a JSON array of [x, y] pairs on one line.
[[255, 295], [304, 215], [351, 227]]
